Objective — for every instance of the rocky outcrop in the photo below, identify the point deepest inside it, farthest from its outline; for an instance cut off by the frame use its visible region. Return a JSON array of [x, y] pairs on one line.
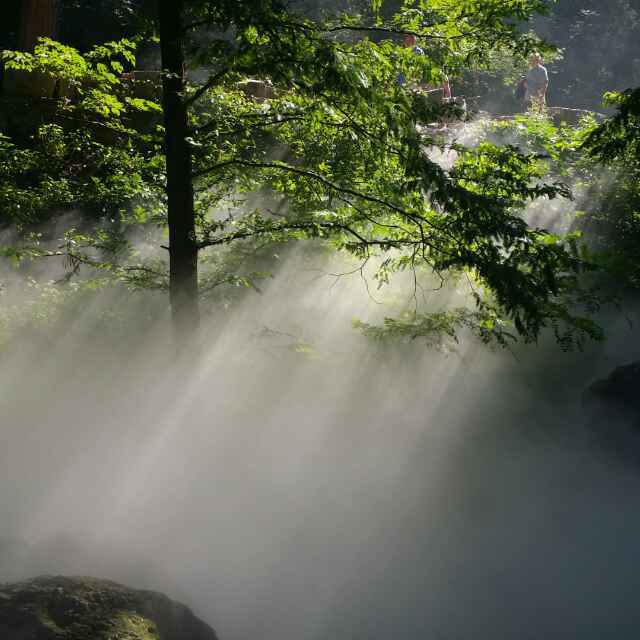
[[77, 608], [619, 393]]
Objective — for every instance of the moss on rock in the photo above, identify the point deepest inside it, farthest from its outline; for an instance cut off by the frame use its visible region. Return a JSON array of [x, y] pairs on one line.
[[78, 608]]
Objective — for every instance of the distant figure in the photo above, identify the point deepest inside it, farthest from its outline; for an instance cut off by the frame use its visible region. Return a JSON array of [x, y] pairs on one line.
[[447, 94], [520, 92], [452, 108], [537, 83], [409, 41]]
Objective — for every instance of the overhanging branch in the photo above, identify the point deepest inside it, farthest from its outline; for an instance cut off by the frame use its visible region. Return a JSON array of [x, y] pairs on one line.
[[281, 166]]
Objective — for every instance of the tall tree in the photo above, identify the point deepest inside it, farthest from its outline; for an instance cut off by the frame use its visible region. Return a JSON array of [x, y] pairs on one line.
[[38, 18], [183, 252]]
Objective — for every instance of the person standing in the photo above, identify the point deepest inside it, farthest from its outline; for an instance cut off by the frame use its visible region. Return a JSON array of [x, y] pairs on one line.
[[520, 93], [409, 41], [537, 83]]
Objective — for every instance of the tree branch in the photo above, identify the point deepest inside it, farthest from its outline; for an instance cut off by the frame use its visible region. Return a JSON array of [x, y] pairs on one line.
[[212, 81], [281, 166]]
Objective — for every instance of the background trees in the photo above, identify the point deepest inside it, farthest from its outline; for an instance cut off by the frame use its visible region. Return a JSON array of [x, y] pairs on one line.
[[593, 52], [598, 46]]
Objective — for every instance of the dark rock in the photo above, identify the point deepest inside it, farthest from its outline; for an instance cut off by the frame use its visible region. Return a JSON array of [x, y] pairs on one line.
[[78, 608], [612, 416], [619, 393]]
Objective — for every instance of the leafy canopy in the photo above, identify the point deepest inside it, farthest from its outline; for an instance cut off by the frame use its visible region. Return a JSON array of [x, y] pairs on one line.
[[339, 150]]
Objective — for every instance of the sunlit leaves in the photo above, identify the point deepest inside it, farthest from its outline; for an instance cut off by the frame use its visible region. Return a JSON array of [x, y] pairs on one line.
[[332, 146], [441, 329], [619, 135]]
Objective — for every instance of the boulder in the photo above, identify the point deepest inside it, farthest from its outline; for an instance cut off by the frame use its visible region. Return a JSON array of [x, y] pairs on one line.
[[79, 608], [17, 83], [259, 90], [619, 393]]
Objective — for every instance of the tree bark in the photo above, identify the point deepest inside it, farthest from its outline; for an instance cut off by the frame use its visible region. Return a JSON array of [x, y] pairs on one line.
[[38, 18], [183, 253]]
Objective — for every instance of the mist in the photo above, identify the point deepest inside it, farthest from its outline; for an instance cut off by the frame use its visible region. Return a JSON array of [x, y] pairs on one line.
[[292, 479]]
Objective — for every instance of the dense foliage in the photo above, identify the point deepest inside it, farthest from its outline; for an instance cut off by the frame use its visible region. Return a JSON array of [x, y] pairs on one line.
[[616, 219], [336, 149], [600, 161]]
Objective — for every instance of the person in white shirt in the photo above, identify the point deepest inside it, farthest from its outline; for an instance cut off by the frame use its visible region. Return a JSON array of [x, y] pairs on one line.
[[537, 83]]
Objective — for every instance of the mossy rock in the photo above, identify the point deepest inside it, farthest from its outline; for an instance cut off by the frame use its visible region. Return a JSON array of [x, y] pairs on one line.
[[78, 608]]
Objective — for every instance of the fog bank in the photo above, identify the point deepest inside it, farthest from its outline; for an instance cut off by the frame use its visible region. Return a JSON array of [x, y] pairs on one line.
[[298, 481]]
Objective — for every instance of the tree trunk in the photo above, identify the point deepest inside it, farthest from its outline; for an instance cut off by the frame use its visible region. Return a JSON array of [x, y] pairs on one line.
[[38, 18], [183, 253]]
